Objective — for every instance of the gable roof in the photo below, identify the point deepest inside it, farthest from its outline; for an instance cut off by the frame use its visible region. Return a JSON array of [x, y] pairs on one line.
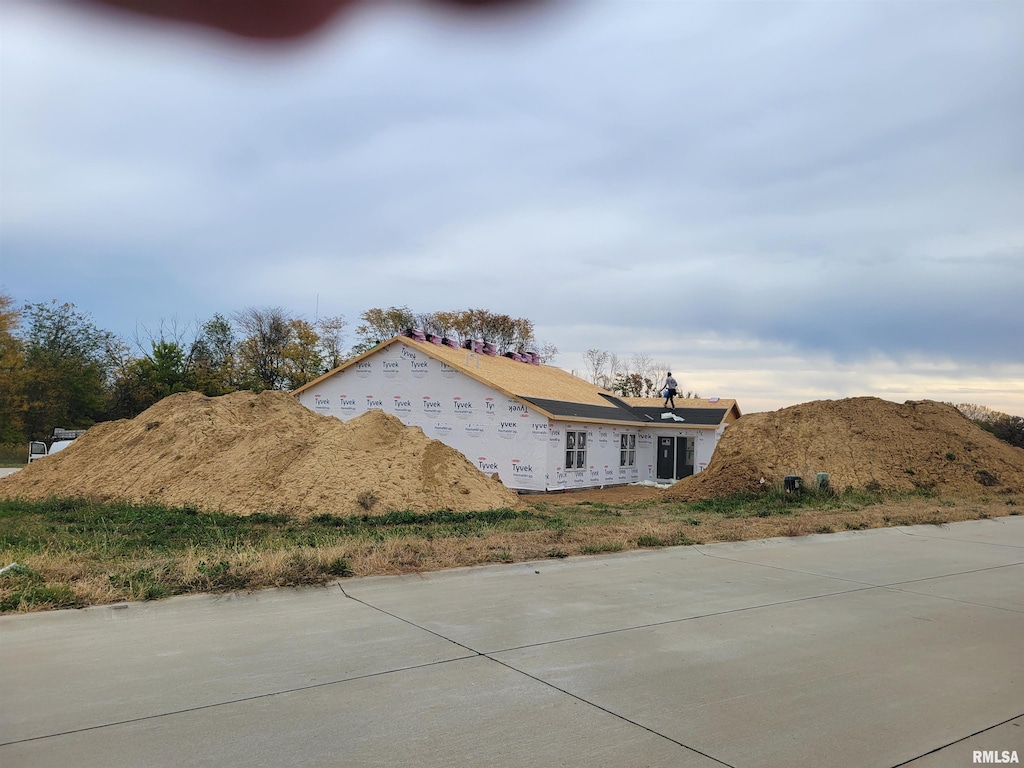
[[554, 392]]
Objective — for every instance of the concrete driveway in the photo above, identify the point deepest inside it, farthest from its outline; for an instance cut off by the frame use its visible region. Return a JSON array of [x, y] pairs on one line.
[[895, 647]]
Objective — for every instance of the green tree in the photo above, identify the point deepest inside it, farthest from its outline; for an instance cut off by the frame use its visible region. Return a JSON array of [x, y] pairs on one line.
[[1010, 429], [67, 368], [215, 358], [143, 381]]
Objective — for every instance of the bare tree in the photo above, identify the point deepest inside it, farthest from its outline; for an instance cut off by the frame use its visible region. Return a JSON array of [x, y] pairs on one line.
[[641, 364], [610, 372], [546, 350], [978, 412], [659, 373], [595, 360]]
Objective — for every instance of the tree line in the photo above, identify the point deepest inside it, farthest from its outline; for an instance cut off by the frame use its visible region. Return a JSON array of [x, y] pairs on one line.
[[1008, 428], [59, 369], [637, 376]]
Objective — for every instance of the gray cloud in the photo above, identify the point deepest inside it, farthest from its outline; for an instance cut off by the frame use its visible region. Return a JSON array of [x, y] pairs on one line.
[[838, 180]]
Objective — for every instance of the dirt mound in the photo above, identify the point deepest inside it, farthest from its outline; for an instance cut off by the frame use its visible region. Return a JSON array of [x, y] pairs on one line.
[[861, 442], [262, 453]]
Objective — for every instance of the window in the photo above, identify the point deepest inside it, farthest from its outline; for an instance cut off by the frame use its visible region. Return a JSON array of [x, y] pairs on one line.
[[627, 451], [575, 450]]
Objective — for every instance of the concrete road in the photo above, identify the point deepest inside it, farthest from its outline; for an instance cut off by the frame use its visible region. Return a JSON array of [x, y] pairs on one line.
[[895, 647], [5, 471]]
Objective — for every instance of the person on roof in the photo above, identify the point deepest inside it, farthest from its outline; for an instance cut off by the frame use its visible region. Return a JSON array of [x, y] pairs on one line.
[[669, 387]]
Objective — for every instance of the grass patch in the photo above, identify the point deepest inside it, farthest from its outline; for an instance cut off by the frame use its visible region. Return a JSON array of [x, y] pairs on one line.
[[13, 455], [648, 540], [774, 501], [101, 552], [75, 552], [22, 589], [601, 547]]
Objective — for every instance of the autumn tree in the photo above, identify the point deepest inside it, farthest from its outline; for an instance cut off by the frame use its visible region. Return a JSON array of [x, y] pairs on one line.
[[632, 385], [276, 350], [67, 368], [301, 359], [12, 373], [265, 334], [332, 337], [506, 333], [379, 325]]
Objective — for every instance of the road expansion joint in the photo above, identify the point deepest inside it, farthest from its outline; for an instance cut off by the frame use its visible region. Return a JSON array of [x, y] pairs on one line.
[[239, 700], [607, 711], [540, 680], [788, 570], [957, 600], [949, 575], [963, 541], [865, 583], [912, 760]]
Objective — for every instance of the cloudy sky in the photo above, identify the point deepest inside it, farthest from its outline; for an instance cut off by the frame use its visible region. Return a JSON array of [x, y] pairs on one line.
[[781, 201]]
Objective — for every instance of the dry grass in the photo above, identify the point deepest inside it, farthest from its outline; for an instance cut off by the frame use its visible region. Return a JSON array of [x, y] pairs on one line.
[[68, 568]]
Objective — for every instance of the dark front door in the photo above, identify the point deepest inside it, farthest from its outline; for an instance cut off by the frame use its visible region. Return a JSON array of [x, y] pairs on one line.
[[684, 457], [675, 457], [666, 457]]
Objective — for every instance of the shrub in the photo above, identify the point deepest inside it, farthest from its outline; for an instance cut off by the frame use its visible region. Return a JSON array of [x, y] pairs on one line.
[[986, 478]]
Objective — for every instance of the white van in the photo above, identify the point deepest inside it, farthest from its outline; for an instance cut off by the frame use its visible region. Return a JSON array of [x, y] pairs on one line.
[[62, 438], [36, 450], [59, 445]]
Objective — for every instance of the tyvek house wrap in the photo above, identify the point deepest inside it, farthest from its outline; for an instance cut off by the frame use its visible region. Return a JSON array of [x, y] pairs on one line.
[[495, 432]]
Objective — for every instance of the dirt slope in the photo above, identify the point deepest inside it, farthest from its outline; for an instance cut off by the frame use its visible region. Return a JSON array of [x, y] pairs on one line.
[[860, 442], [247, 453]]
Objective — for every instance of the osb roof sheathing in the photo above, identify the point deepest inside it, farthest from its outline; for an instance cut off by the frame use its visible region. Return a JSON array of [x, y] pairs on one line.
[[516, 378]]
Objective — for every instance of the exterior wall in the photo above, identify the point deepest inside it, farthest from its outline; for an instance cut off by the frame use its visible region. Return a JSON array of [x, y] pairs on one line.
[[495, 432], [602, 457], [603, 453], [705, 441]]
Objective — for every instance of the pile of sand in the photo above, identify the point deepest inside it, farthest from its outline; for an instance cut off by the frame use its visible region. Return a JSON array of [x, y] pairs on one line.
[[261, 453], [860, 442]]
